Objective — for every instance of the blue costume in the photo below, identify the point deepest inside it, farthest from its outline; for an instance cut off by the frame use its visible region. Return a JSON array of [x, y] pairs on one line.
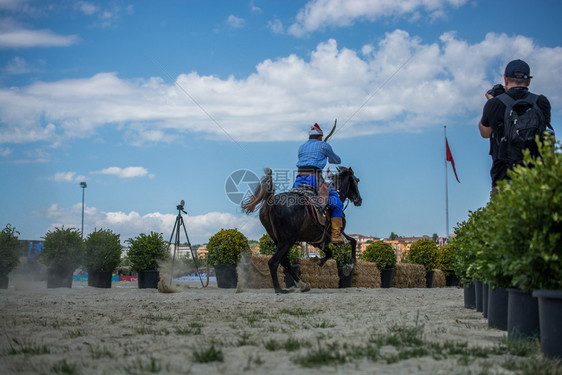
[[313, 156]]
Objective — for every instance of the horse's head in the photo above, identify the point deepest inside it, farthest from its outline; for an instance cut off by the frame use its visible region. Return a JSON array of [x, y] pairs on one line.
[[346, 185]]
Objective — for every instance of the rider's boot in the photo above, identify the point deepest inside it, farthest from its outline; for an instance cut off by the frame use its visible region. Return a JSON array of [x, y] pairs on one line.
[[336, 230]]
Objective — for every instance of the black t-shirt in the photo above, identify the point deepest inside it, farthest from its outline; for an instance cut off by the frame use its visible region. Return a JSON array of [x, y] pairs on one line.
[[493, 116]]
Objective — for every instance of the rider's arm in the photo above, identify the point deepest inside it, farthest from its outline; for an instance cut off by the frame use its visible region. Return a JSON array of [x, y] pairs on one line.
[[331, 155]]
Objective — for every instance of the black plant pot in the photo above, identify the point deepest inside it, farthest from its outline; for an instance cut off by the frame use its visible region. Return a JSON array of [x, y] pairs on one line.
[[550, 311], [429, 278], [4, 281], [497, 308], [478, 295], [289, 282], [148, 279], [227, 277], [522, 315], [345, 280], [59, 278], [386, 277], [469, 295], [485, 293], [451, 279], [99, 279]]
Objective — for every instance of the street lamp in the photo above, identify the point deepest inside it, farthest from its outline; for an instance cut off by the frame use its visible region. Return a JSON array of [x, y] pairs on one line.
[[83, 186]]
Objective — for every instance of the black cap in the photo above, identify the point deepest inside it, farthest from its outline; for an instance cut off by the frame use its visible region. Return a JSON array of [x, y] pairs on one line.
[[518, 69]]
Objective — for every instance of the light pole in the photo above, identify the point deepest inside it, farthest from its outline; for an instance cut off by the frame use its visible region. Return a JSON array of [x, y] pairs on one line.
[[83, 186]]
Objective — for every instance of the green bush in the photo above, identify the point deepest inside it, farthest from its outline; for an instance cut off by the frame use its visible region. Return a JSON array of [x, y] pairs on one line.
[[10, 249], [526, 221], [464, 250], [445, 258], [487, 266], [103, 251], [267, 246], [63, 249], [380, 253], [423, 252], [341, 253], [296, 253], [227, 246], [146, 250]]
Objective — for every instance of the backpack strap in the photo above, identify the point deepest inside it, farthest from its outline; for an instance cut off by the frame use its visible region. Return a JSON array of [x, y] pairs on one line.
[[508, 101]]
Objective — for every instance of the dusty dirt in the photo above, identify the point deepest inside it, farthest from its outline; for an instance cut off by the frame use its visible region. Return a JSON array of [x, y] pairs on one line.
[[85, 330]]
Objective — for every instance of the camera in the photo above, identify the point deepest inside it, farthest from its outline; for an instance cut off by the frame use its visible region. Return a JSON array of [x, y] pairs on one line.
[[179, 207], [496, 90]]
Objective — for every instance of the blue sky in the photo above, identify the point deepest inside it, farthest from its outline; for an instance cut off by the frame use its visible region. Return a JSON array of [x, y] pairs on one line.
[[151, 102]]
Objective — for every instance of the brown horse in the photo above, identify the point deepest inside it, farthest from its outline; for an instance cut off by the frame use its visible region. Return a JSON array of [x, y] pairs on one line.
[[287, 218]]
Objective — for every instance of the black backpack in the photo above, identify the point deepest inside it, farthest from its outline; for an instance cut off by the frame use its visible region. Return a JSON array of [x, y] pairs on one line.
[[523, 120]]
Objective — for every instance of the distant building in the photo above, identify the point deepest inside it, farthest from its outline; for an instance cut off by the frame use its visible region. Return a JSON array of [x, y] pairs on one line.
[[181, 251]]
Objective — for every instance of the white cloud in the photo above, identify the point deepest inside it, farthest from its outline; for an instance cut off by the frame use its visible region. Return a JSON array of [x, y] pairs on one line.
[[14, 36], [67, 177], [320, 14], [18, 65], [5, 152], [131, 224], [276, 26], [106, 17], [443, 82], [87, 8], [235, 22], [129, 172]]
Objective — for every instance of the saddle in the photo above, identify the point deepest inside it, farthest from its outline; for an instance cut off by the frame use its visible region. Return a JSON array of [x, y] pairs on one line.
[[316, 208]]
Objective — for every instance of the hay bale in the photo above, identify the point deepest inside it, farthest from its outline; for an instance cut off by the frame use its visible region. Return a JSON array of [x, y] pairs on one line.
[[366, 275], [408, 276], [319, 277], [439, 280], [253, 273]]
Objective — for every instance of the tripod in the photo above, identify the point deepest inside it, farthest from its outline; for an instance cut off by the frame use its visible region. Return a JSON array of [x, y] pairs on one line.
[[176, 231]]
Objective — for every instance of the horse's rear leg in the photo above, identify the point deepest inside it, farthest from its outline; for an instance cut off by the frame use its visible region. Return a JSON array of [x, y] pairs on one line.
[[287, 266], [273, 263]]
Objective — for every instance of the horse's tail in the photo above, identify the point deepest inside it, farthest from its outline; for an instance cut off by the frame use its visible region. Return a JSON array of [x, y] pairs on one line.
[[264, 191]]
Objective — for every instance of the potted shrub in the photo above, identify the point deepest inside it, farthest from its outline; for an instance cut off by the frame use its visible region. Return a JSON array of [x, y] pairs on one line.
[[266, 245], [102, 256], [10, 251], [463, 256], [62, 253], [488, 268], [424, 252], [145, 251], [223, 252], [445, 263], [469, 245], [342, 255], [384, 256], [529, 208]]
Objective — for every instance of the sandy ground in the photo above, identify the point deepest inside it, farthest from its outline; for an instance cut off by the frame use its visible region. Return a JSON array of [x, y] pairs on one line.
[[85, 330]]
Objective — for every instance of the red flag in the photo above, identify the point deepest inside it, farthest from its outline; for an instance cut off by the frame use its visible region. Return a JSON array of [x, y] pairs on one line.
[[450, 158]]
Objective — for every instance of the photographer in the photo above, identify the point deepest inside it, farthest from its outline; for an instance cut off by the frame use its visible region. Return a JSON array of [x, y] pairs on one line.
[[494, 120]]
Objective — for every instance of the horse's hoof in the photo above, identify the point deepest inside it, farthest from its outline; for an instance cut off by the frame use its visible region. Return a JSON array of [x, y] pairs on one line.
[[304, 287], [282, 291]]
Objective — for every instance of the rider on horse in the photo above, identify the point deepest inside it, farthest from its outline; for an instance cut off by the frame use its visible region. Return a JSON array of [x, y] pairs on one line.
[[312, 159]]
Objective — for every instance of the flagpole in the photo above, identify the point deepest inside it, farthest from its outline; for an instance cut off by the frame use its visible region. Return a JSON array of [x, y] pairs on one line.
[[446, 186]]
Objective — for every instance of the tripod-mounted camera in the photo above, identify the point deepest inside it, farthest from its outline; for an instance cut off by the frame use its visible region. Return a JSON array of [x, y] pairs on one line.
[[176, 231]]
